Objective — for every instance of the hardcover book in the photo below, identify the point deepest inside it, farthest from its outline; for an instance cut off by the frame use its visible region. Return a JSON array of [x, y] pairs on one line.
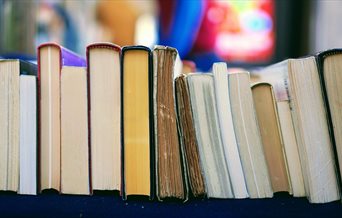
[[137, 122], [51, 59], [329, 69], [105, 114]]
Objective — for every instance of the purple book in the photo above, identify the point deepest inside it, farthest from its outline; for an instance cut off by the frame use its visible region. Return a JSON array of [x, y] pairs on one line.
[[51, 59]]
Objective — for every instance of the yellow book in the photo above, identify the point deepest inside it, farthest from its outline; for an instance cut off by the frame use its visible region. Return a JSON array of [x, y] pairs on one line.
[[137, 121]]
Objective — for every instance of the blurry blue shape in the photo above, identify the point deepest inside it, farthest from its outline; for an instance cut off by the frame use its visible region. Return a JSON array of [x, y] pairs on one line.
[[20, 56], [184, 26], [204, 61], [70, 38]]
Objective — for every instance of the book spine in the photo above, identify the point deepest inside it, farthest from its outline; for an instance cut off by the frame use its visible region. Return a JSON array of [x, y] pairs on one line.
[[89, 122], [152, 144]]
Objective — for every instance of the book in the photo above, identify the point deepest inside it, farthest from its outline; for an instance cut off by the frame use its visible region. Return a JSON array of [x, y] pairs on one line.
[[17, 129], [74, 131], [105, 114], [28, 133], [248, 136], [299, 83], [208, 135], [329, 66], [187, 137], [51, 58], [275, 76], [169, 160], [227, 130], [137, 122], [268, 121]]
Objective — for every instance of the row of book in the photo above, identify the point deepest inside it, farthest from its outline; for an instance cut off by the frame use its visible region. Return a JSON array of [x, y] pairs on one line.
[[135, 120]]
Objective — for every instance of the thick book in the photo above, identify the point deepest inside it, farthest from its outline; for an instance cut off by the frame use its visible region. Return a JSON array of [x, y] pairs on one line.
[[18, 163], [297, 81], [51, 59], [208, 135], [248, 136], [105, 113], [268, 121], [187, 137], [75, 178], [137, 122], [229, 140], [169, 160], [329, 69]]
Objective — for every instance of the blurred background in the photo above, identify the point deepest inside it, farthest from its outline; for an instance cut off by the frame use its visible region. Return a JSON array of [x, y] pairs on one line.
[[244, 33]]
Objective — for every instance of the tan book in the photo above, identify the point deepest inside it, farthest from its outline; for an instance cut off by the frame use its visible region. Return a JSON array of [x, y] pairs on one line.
[[51, 58], [267, 115], [187, 137], [137, 121], [170, 169], [74, 131], [248, 136], [105, 114]]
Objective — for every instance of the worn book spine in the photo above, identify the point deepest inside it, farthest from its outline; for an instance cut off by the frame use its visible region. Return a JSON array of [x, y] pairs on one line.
[[168, 179], [187, 137]]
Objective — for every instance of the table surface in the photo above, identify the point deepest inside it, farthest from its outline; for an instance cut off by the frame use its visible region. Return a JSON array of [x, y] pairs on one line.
[[108, 205]]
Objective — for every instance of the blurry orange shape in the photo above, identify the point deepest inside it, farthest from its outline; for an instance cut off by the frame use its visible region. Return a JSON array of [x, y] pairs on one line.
[[119, 19]]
